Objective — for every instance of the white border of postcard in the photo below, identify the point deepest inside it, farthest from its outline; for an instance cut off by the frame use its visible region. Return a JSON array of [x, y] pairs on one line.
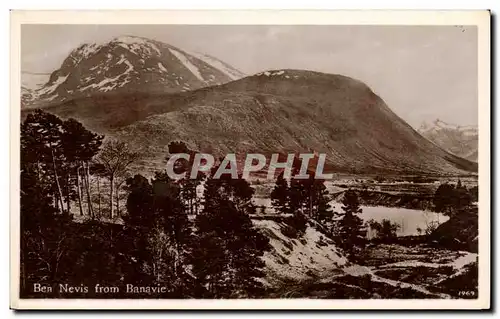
[[481, 19]]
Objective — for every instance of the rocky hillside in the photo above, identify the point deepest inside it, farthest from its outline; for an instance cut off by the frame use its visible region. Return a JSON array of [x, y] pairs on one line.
[[299, 111], [129, 64], [278, 111], [311, 266], [301, 258], [459, 140]]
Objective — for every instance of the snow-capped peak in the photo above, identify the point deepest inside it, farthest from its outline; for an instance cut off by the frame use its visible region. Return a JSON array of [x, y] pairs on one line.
[[438, 124], [137, 45], [83, 52], [131, 64], [129, 39], [461, 140]]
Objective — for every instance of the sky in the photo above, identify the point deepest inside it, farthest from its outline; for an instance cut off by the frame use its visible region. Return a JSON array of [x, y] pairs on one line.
[[423, 73]]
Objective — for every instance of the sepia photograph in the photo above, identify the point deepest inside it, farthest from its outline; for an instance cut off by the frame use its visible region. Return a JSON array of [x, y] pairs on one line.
[[308, 162]]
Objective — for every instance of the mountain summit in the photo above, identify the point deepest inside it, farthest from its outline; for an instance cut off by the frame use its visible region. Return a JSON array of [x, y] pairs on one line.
[[131, 64]]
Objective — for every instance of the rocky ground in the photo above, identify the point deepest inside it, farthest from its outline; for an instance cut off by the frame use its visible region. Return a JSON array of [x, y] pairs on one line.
[[311, 266], [393, 271]]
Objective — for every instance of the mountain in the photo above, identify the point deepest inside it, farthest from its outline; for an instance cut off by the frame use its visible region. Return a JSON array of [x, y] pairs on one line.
[[30, 84], [130, 64], [279, 111], [456, 139]]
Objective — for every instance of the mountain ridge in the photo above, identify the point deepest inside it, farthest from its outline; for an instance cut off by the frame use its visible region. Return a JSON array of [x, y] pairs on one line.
[[461, 140], [278, 111]]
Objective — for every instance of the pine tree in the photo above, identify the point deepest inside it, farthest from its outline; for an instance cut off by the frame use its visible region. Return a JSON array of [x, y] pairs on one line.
[[50, 150], [309, 197], [44, 231], [350, 231], [444, 199], [450, 199], [41, 140], [226, 258], [58, 148], [297, 203], [386, 231], [280, 195], [189, 185], [172, 216], [298, 196], [80, 146], [324, 214], [320, 208], [462, 197], [163, 230], [116, 157]]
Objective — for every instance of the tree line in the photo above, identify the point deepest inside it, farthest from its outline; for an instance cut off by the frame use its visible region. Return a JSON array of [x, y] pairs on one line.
[[196, 246], [70, 162], [305, 200]]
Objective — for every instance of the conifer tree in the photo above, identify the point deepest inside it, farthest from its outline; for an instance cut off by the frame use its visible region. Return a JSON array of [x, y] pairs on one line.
[[49, 151], [58, 148], [350, 231], [463, 198], [280, 195], [162, 227], [449, 199], [41, 138], [116, 158], [80, 146], [386, 231], [320, 208], [324, 214], [189, 185], [226, 258]]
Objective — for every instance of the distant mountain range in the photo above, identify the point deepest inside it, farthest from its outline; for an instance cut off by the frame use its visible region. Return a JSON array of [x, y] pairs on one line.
[[150, 93], [459, 140], [31, 83], [127, 64]]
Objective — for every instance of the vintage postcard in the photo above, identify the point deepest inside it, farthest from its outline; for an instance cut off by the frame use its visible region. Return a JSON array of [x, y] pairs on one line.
[[250, 160]]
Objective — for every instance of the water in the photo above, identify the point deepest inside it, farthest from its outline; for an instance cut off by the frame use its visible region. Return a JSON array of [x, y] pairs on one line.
[[408, 219]]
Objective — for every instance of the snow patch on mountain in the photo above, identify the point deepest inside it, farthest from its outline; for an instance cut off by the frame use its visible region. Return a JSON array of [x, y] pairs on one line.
[[127, 39], [51, 88], [104, 82], [274, 73], [461, 140], [232, 73], [130, 67], [160, 65], [190, 66], [89, 49], [438, 124], [137, 45]]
